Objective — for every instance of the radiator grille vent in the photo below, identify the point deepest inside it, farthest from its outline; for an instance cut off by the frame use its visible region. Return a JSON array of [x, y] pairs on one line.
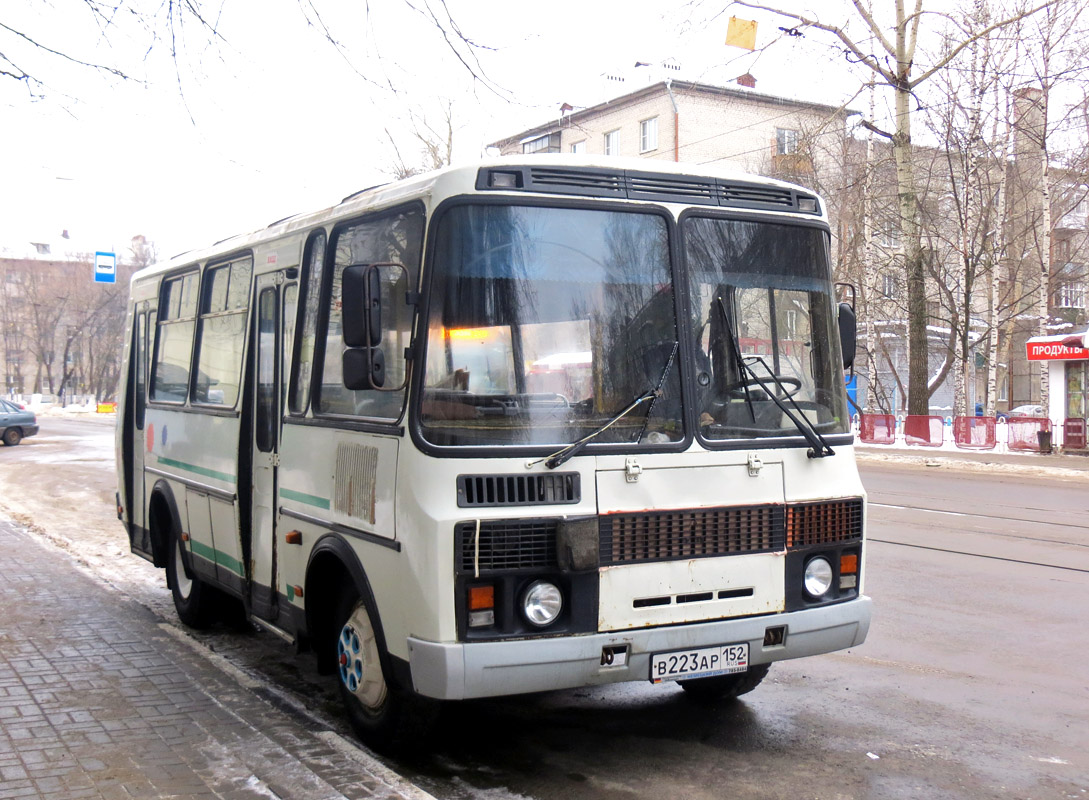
[[823, 523], [506, 544], [566, 180], [475, 491], [627, 538], [355, 480], [597, 182]]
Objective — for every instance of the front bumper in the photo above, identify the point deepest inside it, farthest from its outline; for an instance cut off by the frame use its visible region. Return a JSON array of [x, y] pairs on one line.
[[490, 669]]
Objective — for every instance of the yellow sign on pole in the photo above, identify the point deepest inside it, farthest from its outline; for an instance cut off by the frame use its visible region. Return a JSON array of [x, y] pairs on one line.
[[741, 33]]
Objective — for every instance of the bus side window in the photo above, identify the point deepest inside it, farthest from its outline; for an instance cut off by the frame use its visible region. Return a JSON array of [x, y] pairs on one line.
[[391, 237], [174, 338], [140, 363], [291, 297], [222, 333], [302, 364]]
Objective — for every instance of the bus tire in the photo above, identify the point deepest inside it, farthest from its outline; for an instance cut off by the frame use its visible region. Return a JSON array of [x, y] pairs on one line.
[[726, 687], [192, 597], [12, 437], [383, 715]]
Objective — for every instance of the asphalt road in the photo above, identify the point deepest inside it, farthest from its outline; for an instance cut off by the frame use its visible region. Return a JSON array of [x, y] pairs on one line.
[[974, 682]]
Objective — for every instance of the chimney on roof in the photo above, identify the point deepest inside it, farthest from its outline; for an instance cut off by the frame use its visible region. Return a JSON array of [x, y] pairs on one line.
[[747, 80]]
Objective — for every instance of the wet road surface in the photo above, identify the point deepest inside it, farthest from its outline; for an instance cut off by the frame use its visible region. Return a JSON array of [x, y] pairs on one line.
[[974, 682]]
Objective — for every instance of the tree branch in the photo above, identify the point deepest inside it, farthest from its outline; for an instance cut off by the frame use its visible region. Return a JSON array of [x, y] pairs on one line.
[[864, 58], [101, 67], [983, 33]]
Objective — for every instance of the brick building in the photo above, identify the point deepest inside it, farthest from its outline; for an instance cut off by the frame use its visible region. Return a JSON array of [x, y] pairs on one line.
[[60, 331]]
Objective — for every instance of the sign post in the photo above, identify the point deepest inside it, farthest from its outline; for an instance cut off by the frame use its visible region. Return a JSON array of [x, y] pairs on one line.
[[105, 267]]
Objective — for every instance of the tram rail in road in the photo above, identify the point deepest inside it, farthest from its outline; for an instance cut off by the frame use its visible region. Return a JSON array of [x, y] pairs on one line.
[[970, 515]]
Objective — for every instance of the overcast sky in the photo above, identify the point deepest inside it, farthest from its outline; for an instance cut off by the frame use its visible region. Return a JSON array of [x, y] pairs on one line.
[[270, 119]]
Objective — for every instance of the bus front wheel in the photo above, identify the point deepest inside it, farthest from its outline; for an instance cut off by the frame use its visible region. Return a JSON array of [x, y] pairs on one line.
[[385, 716], [191, 596], [726, 687]]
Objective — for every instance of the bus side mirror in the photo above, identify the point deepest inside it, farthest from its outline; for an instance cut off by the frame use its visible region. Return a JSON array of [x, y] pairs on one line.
[[364, 368], [368, 298], [848, 333], [362, 305]]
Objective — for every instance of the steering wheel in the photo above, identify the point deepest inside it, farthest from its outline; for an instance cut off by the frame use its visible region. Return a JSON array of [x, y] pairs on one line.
[[790, 386]]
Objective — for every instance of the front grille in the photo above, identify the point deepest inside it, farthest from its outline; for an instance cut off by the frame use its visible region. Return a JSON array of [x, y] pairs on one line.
[[826, 522], [557, 488], [506, 544], [703, 533]]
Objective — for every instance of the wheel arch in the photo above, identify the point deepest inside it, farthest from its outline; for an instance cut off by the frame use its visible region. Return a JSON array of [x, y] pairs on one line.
[[334, 564], [163, 517]]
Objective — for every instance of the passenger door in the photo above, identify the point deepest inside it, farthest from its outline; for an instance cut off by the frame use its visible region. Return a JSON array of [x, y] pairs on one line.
[[267, 399], [135, 445]]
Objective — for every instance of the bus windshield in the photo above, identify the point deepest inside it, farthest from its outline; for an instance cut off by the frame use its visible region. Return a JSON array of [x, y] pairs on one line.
[[760, 293], [545, 323]]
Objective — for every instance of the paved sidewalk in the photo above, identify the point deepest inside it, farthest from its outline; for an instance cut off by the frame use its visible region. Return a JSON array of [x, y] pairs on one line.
[[98, 700], [1054, 463]]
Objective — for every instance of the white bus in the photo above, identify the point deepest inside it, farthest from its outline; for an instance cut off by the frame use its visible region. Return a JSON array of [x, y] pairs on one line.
[[519, 426]]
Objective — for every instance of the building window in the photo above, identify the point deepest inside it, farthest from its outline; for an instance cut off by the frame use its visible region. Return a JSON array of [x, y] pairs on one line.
[[1076, 385], [1060, 249], [1072, 295], [549, 143], [1075, 217], [579, 147], [888, 234], [612, 143], [648, 135], [786, 141], [889, 285]]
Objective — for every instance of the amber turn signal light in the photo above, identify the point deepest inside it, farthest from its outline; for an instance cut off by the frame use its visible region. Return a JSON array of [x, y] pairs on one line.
[[481, 597]]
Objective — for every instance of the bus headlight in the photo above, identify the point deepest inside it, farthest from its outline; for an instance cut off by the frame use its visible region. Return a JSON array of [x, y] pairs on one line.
[[542, 603], [818, 576]]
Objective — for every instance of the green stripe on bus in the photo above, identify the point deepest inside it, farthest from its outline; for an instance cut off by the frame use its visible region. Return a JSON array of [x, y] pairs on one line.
[[216, 557], [303, 497], [207, 473]]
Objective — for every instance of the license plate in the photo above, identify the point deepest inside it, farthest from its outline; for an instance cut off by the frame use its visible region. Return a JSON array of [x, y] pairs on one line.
[[702, 663]]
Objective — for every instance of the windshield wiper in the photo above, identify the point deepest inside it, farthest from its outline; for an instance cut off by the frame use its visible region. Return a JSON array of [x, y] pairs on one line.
[[562, 455], [818, 446]]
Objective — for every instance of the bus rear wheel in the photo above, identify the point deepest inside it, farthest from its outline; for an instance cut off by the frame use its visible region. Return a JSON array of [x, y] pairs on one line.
[[387, 717], [726, 687], [191, 596]]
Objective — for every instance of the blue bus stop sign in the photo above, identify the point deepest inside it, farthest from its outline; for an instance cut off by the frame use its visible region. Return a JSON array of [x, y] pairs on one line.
[[105, 267]]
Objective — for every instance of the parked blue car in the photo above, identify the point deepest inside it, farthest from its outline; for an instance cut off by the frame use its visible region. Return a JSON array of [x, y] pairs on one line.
[[16, 423]]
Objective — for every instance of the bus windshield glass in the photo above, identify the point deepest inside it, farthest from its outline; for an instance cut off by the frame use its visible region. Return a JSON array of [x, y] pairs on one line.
[[545, 323], [761, 293]]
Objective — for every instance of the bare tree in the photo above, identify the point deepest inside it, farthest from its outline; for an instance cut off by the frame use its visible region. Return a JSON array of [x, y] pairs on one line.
[[33, 55], [898, 68], [434, 142]]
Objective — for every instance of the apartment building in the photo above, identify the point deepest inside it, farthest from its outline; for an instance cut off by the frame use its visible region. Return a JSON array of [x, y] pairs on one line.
[[677, 120]]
